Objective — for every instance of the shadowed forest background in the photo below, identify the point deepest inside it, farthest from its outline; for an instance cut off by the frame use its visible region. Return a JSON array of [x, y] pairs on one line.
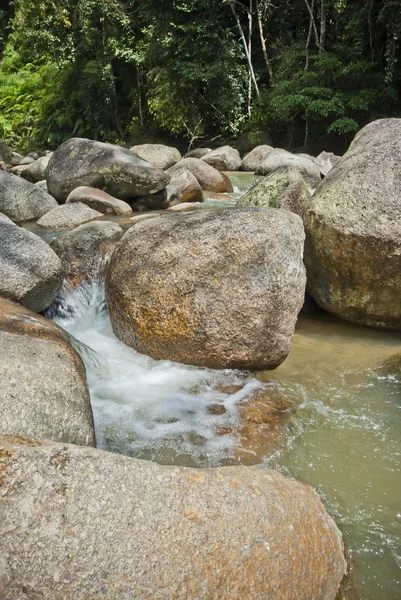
[[308, 73]]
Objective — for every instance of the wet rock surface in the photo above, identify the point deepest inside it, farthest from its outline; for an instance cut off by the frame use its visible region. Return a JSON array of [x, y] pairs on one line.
[[43, 384], [235, 532], [234, 288]]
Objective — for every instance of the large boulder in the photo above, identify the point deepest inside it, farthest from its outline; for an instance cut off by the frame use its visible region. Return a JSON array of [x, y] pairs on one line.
[[83, 523], [326, 161], [36, 171], [86, 250], [214, 288], [6, 153], [353, 250], [43, 389], [98, 200], [30, 272], [223, 159], [68, 216], [21, 200], [158, 155], [282, 158], [114, 169], [186, 183], [255, 157], [283, 188], [209, 178]]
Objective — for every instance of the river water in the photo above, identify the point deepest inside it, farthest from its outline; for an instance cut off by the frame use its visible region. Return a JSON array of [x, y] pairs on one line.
[[342, 434]]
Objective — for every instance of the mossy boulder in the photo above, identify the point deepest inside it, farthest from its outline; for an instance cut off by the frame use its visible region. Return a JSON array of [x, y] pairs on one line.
[[353, 228]]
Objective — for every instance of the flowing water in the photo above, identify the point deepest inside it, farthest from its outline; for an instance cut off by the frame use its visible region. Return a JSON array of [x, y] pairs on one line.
[[342, 434]]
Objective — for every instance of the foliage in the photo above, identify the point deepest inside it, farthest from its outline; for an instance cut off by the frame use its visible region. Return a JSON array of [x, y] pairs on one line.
[[115, 69]]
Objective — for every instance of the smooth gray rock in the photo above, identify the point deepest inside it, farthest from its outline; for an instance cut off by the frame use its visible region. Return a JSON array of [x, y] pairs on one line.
[[80, 523], [30, 272], [198, 152], [186, 183], [282, 158], [5, 153], [36, 171], [21, 200], [116, 170], [283, 188], [353, 250], [42, 185], [223, 159], [98, 200], [326, 161], [68, 216], [85, 251], [209, 178], [255, 157], [43, 390], [213, 288], [158, 155]]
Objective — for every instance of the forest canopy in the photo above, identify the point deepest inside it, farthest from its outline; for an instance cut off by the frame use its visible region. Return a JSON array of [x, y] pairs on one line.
[[311, 72]]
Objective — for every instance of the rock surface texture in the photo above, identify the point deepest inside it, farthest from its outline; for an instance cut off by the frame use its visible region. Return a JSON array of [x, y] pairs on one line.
[[21, 200], [43, 389], [114, 527], [86, 250], [117, 171], [186, 182], [98, 200], [68, 216], [326, 161], [283, 188], [353, 250], [37, 170], [30, 272], [282, 158], [223, 159], [214, 288], [255, 157], [209, 178], [158, 155]]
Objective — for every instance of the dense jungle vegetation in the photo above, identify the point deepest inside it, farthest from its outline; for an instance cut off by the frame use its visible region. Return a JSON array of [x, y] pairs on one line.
[[312, 72]]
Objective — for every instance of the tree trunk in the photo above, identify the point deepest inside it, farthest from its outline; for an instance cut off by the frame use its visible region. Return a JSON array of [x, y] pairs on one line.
[[263, 42], [138, 80], [309, 37], [246, 49], [323, 18], [310, 11], [250, 54]]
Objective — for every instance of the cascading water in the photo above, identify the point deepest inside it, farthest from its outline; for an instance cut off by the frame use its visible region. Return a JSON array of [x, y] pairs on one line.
[[343, 438]]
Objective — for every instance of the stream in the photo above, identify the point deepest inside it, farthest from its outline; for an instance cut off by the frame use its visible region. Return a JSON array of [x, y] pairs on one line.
[[342, 434]]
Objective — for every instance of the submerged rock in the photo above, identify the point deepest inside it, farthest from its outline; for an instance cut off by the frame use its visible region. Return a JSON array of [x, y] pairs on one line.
[[21, 200], [43, 390], [98, 200], [223, 159], [30, 272], [255, 157], [158, 155], [85, 251], [282, 158], [233, 532], [353, 249], [214, 288], [116, 170], [68, 216], [283, 188]]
